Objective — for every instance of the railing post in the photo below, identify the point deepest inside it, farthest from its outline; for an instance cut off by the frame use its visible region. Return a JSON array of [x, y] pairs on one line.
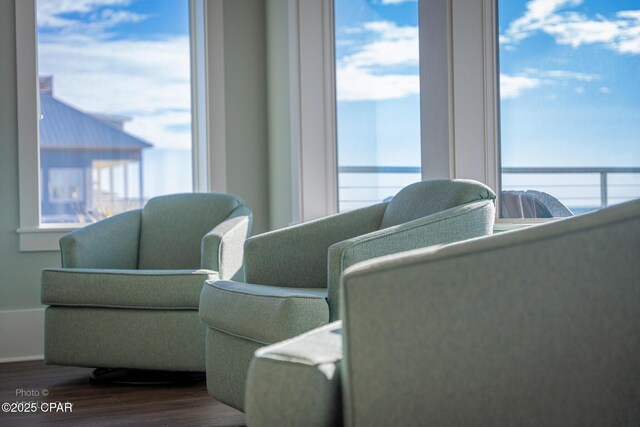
[[603, 189]]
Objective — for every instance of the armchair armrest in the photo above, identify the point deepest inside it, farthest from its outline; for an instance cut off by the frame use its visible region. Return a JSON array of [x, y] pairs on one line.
[[451, 225], [539, 324], [297, 256], [110, 243], [222, 247], [297, 382]]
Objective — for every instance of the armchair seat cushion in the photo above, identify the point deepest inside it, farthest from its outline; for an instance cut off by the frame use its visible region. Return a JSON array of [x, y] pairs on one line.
[[136, 289], [261, 313]]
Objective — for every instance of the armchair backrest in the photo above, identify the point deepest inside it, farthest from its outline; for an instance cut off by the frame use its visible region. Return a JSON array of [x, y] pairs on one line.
[[173, 226], [428, 197], [537, 326], [422, 214]]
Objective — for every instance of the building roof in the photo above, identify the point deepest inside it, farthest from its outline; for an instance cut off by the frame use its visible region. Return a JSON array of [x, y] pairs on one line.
[[66, 127]]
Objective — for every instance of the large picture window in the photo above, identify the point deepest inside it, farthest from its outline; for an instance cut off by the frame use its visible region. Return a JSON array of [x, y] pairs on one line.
[[570, 105], [377, 99], [115, 106]]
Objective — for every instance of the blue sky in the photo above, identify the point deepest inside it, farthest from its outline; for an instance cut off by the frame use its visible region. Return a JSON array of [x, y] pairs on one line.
[[570, 91], [377, 83], [124, 57], [130, 58], [570, 82], [569, 75]]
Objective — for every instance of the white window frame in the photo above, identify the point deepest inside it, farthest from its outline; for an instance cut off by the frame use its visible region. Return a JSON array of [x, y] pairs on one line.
[[207, 103], [459, 101], [313, 116]]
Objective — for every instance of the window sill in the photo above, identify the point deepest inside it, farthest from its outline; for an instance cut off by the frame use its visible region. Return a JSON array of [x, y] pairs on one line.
[[43, 238]]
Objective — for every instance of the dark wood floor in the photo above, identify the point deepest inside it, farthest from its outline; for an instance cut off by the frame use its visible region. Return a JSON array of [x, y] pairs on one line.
[[107, 404]]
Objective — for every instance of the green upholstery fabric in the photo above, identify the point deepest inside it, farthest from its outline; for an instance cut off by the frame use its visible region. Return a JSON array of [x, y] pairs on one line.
[[110, 243], [173, 226], [223, 379], [458, 223], [539, 326], [164, 289], [222, 247], [264, 314], [142, 266], [241, 318], [429, 197], [269, 256], [113, 338], [297, 382], [291, 270]]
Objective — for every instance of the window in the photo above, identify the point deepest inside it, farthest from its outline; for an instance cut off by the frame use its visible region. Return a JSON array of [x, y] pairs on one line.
[[377, 99], [114, 104], [438, 132], [65, 185], [570, 106], [558, 114], [115, 107]]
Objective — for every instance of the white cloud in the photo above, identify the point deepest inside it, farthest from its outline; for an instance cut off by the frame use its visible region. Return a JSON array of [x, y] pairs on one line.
[[620, 33], [605, 90], [398, 46], [512, 86], [120, 76], [357, 84], [537, 13], [57, 7], [575, 30], [398, 1], [629, 42], [163, 128], [372, 71], [390, 31], [138, 78], [97, 16], [145, 79], [565, 75]]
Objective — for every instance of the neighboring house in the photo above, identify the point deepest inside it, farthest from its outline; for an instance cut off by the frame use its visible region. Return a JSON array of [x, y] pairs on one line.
[[90, 166]]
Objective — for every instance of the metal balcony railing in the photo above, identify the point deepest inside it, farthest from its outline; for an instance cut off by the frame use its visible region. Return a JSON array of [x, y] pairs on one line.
[[579, 188]]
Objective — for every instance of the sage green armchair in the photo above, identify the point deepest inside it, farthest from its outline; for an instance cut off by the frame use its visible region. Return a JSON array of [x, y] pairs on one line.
[[128, 291], [293, 274], [537, 327]]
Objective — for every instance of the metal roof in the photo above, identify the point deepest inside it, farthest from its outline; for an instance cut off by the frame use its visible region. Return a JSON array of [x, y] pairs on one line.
[[63, 126]]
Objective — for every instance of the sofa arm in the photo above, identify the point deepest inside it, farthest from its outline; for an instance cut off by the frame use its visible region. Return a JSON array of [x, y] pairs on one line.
[[110, 243], [222, 247], [539, 325], [297, 382], [297, 256], [459, 223]]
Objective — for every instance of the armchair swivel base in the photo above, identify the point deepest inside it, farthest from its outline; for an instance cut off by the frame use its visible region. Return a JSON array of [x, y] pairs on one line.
[[144, 377]]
